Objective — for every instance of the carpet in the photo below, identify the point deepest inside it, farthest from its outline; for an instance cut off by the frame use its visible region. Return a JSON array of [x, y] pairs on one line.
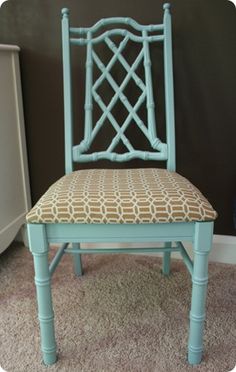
[[122, 315]]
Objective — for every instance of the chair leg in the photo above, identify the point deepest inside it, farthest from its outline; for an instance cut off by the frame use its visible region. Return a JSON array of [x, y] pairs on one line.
[[202, 247], [39, 249], [77, 260], [166, 261]]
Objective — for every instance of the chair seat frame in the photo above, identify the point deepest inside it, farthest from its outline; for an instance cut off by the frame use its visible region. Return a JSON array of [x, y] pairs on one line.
[[72, 235]]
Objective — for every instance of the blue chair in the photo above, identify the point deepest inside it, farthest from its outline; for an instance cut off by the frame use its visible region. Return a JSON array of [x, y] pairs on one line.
[[120, 205]]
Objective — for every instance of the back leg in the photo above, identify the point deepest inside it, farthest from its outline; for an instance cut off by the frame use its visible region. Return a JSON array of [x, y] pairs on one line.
[[77, 260], [166, 261]]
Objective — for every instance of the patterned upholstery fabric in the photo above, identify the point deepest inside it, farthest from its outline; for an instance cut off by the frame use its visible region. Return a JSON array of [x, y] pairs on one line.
[[147, 195]]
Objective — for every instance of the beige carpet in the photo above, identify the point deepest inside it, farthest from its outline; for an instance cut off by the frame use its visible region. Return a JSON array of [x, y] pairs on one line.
[[123, 315]]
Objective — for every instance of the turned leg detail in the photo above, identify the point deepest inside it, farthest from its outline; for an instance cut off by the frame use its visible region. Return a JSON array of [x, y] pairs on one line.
[[39, 249], [202, 246]]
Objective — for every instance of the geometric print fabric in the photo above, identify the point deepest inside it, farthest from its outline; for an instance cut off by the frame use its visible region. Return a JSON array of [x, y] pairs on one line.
[[105, 196]]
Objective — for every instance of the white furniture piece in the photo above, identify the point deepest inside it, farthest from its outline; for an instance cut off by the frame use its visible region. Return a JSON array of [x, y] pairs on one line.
[[14, 177]]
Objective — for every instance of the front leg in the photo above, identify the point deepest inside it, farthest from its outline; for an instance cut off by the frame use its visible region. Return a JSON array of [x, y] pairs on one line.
[[202, 247], [39, 248]]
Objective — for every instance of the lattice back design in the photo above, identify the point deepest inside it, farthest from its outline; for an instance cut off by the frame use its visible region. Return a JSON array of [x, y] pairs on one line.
[[144, 35]]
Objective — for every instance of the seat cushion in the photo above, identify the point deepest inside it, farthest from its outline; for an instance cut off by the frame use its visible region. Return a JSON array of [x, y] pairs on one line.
[[147, 195]]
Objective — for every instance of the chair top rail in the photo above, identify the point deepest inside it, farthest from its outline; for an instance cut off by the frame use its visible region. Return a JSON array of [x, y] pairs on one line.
[[115, 20]]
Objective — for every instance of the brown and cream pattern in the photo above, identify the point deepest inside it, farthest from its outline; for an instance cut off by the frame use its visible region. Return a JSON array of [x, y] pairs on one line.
[[147, 195]]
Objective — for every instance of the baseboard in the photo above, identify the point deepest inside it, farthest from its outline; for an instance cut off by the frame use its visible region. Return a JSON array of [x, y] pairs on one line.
[[223, 250]]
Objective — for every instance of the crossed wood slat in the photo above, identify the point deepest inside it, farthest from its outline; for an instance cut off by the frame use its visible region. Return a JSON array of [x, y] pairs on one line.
[[132, 110]]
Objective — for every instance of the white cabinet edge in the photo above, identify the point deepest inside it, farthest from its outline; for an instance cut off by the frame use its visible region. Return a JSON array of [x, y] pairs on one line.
[[21, 130], [7, 47], [8, 234]]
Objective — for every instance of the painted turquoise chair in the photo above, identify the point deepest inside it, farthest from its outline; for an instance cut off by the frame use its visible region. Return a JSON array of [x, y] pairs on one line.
[[120, 205]]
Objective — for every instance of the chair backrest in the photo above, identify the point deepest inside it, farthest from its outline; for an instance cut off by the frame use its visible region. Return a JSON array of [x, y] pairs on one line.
[[144, 35]]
